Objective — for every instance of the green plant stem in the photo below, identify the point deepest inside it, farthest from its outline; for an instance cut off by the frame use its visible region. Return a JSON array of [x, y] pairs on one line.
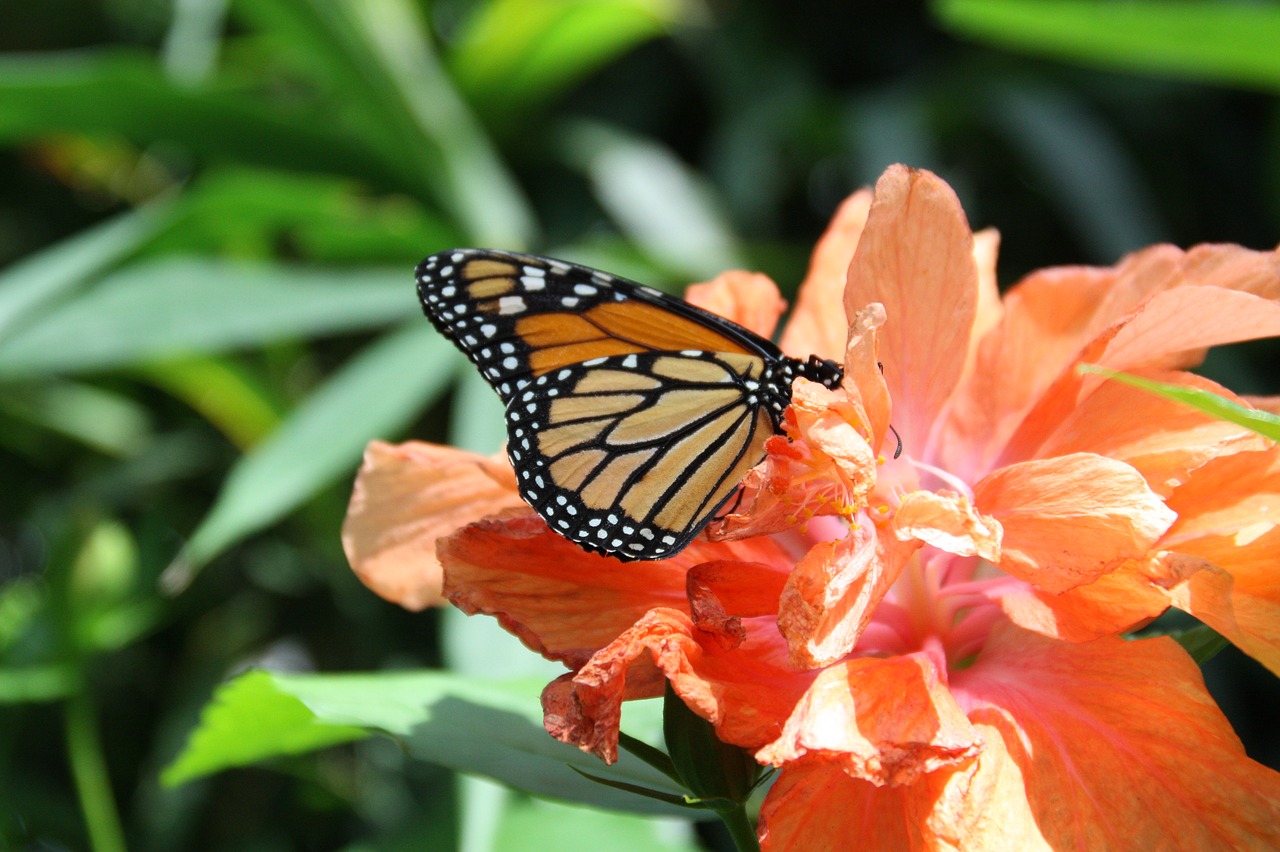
[[89, 768], [740, 828]]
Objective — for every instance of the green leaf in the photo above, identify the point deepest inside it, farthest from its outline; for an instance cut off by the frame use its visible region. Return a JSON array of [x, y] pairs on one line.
[[111, 423], [513, 55], [251, 212], [1262, 422], [227, 395], [1202, 642], [490, 728], [50, 273], [251, 719], [380, 60], [374, 394], [126, 94], [532, 825], [1233, 43], [26, 684], [182, 306]]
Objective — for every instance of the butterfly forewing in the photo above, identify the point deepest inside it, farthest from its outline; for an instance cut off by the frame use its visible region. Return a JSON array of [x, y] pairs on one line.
[[631, 415]]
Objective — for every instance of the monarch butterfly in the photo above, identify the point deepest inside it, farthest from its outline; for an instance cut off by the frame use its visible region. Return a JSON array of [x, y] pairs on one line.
[[632, 415]]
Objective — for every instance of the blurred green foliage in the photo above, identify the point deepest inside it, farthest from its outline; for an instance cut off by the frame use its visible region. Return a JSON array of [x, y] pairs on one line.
[[209, 214]]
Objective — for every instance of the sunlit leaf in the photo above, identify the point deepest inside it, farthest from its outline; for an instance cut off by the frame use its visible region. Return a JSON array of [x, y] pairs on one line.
[[249, 720], [491, 728], [1262, 422], [373, 395], [512, 55], [1207, 40], [181, 306]]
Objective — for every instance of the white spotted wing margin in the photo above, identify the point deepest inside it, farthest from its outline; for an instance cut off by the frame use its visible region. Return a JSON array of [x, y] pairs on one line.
[[630, 456]]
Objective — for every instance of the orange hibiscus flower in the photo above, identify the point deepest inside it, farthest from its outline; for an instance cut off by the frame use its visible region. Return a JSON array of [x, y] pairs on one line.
[[926, 646]]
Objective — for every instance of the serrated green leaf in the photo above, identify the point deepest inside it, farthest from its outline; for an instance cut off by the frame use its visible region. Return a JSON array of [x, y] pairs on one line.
[[1233, 43], [181, 306], [490, 728], [1262, 422], [251, 719], [373, 395]]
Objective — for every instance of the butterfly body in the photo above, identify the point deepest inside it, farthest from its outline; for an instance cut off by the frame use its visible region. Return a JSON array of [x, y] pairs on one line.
[[631, 415]]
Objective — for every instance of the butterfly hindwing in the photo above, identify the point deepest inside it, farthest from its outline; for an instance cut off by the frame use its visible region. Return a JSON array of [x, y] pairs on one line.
[[631, 455]]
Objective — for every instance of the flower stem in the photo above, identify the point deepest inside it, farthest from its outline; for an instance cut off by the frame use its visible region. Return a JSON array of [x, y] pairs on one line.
[[89, 768], [740, 828]]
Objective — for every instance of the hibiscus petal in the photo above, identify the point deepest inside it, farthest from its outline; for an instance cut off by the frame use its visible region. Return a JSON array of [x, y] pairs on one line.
[[1172, 324], [982, 805], [407, 496], [1229, 516], [816, 806], [833, 591], [916, 258], [948, 522], [747, 692], [1163, 439], [750, 299], [1116, 602], [1051, 316], [815, 326], [888, 721], [1068, 520], [1119, 745]]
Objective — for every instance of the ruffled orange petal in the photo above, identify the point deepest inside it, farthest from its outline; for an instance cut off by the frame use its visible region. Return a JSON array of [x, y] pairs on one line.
[[1051, 316], [1229, 517], [816, 806], [1067, 520], [887, 721], [916, 258], [833, 592], [817, 325], [406, 497], [1162, 439], [863, 379], [948, 522], [1116, 602], [746, 691], [750, 299], [560, 600], [1119, 745]]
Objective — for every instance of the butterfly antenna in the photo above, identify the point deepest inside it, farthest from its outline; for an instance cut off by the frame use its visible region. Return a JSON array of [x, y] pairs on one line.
[[898, 451]]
